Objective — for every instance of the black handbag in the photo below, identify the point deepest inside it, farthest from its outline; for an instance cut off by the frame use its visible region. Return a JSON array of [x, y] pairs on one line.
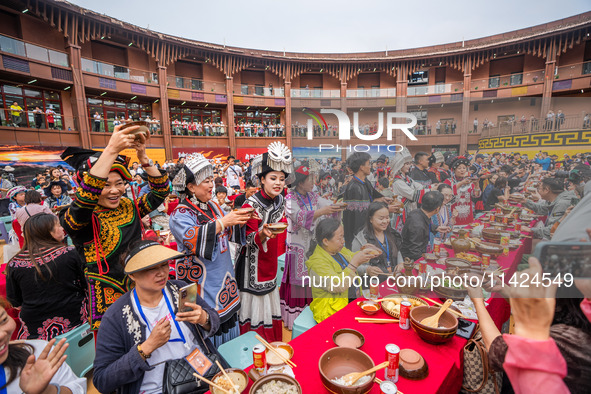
[[178, 373]]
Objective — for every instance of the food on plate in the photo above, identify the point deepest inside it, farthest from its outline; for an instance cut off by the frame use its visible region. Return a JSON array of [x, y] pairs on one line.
[[272, 358], [238, 381], [468, 256], [359, 382], [392, 305], [277, 387]]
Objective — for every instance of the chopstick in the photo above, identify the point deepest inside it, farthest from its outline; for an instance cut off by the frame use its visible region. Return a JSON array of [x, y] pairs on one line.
[[379, 381], [212, 383], [227, 377], [271, 348], [440, 304], [374, 320]]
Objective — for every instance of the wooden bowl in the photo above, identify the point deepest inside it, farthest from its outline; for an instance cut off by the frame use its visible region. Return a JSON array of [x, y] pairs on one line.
[[431, 335], [275, 377], [491, 234], [277, 228], [461, 265], [369, 307], [412, 365], [244, 210], [372, 249], [144, 128], [347, 337], [499, 218], [230, 372], [489, 248], [339, 361], [272, 359], [451, 292]]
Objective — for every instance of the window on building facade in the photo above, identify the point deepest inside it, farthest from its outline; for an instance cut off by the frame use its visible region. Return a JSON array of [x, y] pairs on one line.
[[111, 112], [516, 78], [494, 81], [49, 115]]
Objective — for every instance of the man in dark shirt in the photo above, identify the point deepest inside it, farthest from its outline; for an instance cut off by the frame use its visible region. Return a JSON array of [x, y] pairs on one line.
[[420, 173], [358, 194], [250, 190], [415, 234]]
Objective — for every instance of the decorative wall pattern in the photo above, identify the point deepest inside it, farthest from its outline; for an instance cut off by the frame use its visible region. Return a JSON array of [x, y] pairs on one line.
[[559, 138]]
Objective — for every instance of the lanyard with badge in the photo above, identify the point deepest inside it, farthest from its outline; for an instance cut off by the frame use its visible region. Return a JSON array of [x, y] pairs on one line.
[[386, 249], [172, 314], [222, 237], [304, 202]]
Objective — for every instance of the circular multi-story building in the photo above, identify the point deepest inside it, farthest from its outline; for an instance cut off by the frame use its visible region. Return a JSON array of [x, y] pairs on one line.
[[76, 73]]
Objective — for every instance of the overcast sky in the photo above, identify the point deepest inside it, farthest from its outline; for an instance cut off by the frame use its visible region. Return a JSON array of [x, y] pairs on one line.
[[335, 25]]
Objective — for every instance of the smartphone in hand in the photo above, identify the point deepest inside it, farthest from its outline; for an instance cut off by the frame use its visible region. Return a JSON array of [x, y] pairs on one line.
[[187, 294]]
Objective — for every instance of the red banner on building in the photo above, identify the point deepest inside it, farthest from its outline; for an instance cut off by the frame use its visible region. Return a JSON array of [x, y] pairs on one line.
[[218, 154], [245, 154]]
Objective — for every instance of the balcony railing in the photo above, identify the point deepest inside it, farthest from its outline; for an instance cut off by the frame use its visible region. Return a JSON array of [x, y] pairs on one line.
[[315, 93], [195, 84], [536, 125], [198, 129], [21, 48], [40, 121], [573, 70], [510, 80], [369, 93], [121, 72], [259, 90], [440, 88]]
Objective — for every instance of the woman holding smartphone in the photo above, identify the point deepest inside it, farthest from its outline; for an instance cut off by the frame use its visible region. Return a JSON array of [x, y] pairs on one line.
[[144, 328]]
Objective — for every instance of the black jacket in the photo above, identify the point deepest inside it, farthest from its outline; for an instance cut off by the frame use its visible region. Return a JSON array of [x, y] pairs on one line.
[[415, 234]]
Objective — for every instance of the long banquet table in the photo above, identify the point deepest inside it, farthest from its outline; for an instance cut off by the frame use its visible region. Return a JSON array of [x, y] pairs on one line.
[[445, 361]]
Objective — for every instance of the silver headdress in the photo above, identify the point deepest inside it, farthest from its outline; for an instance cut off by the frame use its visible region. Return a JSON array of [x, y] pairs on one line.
[[400, 159], [196, 169]]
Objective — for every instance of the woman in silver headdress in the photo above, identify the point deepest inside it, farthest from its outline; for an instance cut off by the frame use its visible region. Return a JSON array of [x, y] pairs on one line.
[[203, 232], [404, 186], [256, 268]]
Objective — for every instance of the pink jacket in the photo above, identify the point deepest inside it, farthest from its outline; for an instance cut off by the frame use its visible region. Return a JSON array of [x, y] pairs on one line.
[[537, 366]]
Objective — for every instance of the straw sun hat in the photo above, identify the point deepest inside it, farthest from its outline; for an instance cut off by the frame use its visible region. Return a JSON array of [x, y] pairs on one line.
[[148, 254]]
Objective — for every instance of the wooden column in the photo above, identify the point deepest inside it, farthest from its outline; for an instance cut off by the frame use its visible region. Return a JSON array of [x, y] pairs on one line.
[[287, 92], [230, 114], [466, 126], [344, 109], [164, 112], [548, 81], [79, 97], [401, 105]]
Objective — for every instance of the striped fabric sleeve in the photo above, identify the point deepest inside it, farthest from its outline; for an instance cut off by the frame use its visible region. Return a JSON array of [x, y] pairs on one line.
[[418, 197], [159, 190], [200, 239], [79, 214]]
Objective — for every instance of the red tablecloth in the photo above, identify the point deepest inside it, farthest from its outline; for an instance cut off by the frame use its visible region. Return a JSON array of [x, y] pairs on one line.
[[498, 307], [444, 361]]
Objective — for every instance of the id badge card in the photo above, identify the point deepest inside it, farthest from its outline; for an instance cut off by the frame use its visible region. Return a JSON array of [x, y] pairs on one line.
[[199, 361], [223, 243]]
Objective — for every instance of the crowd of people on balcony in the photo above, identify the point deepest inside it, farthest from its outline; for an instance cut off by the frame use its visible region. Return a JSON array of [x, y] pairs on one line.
[[208, 129], [265, 129], [41, 119]]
